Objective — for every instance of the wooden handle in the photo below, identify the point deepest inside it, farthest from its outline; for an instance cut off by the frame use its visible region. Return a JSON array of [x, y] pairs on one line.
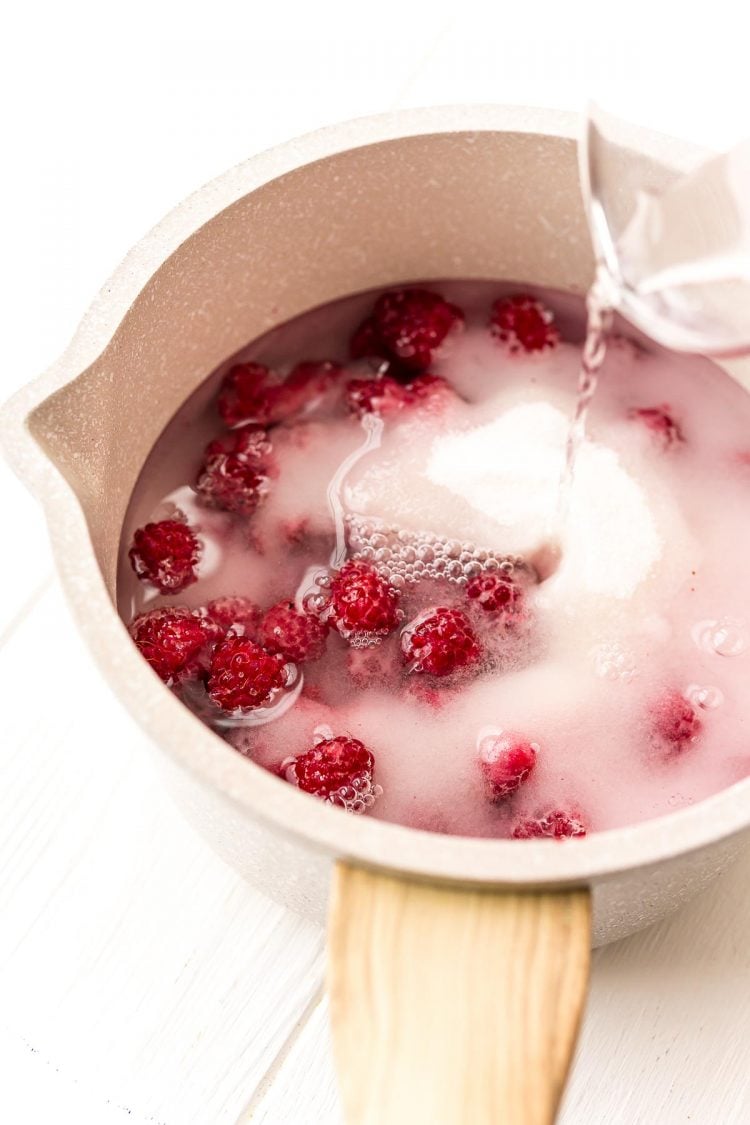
[[452, 1006]]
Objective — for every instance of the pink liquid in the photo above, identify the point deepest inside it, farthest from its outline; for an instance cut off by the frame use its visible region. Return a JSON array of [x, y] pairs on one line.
[[650, 594]]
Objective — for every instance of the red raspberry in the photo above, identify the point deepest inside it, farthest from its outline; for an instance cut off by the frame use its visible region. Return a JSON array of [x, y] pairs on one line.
[[381, 396], [234, 612], [172, 640], [297, 636], [366, 342], [313, 378], [556, 825], [407, 326], [372, 667], [675, 722], [242, 397], [243, 675], [440, 641], [251, 393], [496, 593], [338, 770], [296, 531], [165, 554], [660, 422], [524, 324], [363, 606], [235, 472], [385, 396], [506, 761]]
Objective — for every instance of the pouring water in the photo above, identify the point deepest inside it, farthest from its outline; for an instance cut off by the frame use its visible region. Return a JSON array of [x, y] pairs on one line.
[[674, 262]]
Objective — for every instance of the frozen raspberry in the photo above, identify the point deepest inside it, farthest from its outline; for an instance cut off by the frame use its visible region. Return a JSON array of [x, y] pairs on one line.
[[440, 641], [421, 691], [296, 531], [374, 666], [363, 606], [172, 640], [313, 378], [660, 422], [675, 722], [555, 825], [385, 396], [165, 555], [506, 760], [297, 636], [338, 770], [235, 472], [366, 342], [234, 612], [524, 324], [243, 396], [381, 396], [497, 594], [251, 393], [243, 675], [407, 326]]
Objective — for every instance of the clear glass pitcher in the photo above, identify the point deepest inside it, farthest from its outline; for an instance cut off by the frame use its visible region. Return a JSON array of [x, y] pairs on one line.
[[673, 252]]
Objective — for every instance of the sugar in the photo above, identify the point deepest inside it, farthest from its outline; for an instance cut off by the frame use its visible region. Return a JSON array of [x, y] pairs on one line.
[[645, 590]]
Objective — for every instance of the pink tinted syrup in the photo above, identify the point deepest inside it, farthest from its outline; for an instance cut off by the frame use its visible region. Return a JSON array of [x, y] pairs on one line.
[[636, 592]]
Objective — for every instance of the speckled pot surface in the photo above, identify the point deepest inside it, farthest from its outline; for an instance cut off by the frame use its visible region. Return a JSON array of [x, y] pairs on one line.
[[466, 192]]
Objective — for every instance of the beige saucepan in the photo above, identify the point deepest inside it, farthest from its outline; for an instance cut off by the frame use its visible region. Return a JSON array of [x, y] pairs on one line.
[[458, 966]]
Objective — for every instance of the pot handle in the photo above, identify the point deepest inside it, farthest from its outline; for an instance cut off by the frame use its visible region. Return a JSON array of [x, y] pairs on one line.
[[453, 1005]]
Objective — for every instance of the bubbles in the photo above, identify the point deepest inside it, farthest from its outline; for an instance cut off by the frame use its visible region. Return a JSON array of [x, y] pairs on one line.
[[405, 557], [322, 733], [357, 797], [612, 661], [725, 636], [708, 697]]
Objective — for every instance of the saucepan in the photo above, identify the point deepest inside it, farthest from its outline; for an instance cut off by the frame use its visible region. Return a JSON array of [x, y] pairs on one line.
[[458, 967]]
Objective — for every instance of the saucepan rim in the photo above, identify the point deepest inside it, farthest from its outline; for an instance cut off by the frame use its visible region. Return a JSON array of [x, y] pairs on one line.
[[248, 787]]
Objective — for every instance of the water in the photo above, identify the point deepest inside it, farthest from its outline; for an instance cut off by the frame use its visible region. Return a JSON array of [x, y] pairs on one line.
[[599, 318], [648, 595]]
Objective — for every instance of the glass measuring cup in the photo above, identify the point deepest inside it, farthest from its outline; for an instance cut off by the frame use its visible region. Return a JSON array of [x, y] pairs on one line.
[[673, 253]]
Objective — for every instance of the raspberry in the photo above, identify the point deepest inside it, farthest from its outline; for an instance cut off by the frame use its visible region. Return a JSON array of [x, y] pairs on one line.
[[234, 612], [385, 396], [407, 326], [372, 667], [440, 641], [506, 761], [661, 424], [375, 396], [297, 636], [251, 393], [296, 531], [366, 342], [235, 472], [243, 675], [496, 593], [165, 554], [242, 397], [172, 640], [363, 606], [675, 722], [312, 378], [338, 770], [524, 324], [556, 825]]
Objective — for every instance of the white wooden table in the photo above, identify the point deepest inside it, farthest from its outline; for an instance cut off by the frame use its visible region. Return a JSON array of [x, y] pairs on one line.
[[140, 978]]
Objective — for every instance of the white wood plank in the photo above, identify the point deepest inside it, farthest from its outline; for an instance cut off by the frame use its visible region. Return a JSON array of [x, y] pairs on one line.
[[665, 1035], [25, 563], [132, 959]]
